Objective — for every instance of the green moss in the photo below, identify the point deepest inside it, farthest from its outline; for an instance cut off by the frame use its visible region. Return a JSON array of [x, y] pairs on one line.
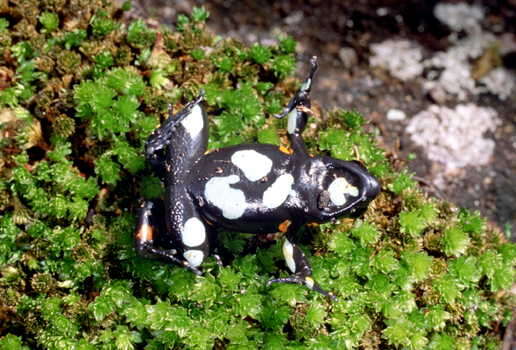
[[199, 14], [49, 20], [139, 35], [352, 120], [366, 233], [74, 38], [283, 65], [455, 241], [413, 273], [102, 24], [104, 60], [68, 62], [418, 264], [402, 182], [260, 54], [288, 44], [12, 342], [4, 24]]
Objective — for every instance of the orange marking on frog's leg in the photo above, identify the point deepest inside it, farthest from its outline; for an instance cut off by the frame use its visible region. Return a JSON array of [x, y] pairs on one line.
[[305, 109], [283, 227], [285, 150], [210, 223], [145, 233]]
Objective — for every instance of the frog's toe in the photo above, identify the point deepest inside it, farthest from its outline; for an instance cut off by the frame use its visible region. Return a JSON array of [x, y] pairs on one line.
[[307, 281], [218, 260], [194, 269]]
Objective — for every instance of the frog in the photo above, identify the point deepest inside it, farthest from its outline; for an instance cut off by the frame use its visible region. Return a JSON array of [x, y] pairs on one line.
[[254, 188]]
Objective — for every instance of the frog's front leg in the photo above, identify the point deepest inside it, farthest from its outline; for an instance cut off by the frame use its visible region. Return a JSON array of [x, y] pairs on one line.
[[189, 241], [299, 265]]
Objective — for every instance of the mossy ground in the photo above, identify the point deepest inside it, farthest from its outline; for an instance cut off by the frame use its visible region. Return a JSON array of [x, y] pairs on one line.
[[80, 93]]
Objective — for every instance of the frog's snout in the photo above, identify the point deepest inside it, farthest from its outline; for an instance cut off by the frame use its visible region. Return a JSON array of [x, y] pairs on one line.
[[370, 185], [372, 188]]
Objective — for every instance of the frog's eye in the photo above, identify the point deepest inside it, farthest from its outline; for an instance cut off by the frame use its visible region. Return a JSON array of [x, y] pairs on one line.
[[324, 202], [341, 191]]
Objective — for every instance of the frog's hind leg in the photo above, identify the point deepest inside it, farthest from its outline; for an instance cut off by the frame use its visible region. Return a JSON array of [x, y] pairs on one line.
[[298, 110], [182, 135], [151, 236], [300, 267], [302, 96]]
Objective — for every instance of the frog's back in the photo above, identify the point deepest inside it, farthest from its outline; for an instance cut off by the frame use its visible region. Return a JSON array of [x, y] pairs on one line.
[[245, 187]]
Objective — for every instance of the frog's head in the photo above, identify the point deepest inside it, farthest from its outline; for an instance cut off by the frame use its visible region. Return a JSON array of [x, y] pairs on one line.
[[347, 189]]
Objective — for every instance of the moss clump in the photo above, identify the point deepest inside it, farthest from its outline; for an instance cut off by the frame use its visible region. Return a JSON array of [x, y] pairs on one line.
[[84, 90]]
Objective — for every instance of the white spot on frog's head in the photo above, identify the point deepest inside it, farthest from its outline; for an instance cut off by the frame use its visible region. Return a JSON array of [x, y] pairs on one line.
[[278, 192], [194, 257], [339, 189], [194, 232], [230, 200], [254, 165], [194, 122], [288, 254]]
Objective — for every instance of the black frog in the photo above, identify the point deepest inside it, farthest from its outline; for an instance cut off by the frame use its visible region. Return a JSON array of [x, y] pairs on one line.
[[255, 188]]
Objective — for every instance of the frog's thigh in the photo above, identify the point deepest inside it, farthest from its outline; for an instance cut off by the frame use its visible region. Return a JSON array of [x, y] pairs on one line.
[[150, 228], [191, 232], [194, 240], [188, 140], [145, 229], [296, 259]]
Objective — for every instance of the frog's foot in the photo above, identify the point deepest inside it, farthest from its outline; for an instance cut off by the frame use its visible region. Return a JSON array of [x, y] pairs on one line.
[[301, 98], [191, 268], [166, 255], [193, 120], [298, 111], [307, 281], [301, 270], [150, 230], [218, 260]]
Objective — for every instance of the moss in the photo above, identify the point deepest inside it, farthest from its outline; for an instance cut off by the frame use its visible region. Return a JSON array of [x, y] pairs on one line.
[[139, 35], [83, 94]]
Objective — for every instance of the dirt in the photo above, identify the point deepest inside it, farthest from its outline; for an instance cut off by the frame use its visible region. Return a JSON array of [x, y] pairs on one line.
[[345, 79]]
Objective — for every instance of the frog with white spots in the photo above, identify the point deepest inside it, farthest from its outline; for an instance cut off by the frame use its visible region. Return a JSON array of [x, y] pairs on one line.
[[255, 188]]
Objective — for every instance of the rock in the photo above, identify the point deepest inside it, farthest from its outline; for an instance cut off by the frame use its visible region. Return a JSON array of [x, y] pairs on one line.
[[396, 115], [348, 56]]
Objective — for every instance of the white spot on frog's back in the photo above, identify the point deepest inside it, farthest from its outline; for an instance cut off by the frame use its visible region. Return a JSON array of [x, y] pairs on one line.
[[194, 122], [254, 165], [194, 257], [340, 189], [230, 200], [193, 233], [278, 192], [288, 254]]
